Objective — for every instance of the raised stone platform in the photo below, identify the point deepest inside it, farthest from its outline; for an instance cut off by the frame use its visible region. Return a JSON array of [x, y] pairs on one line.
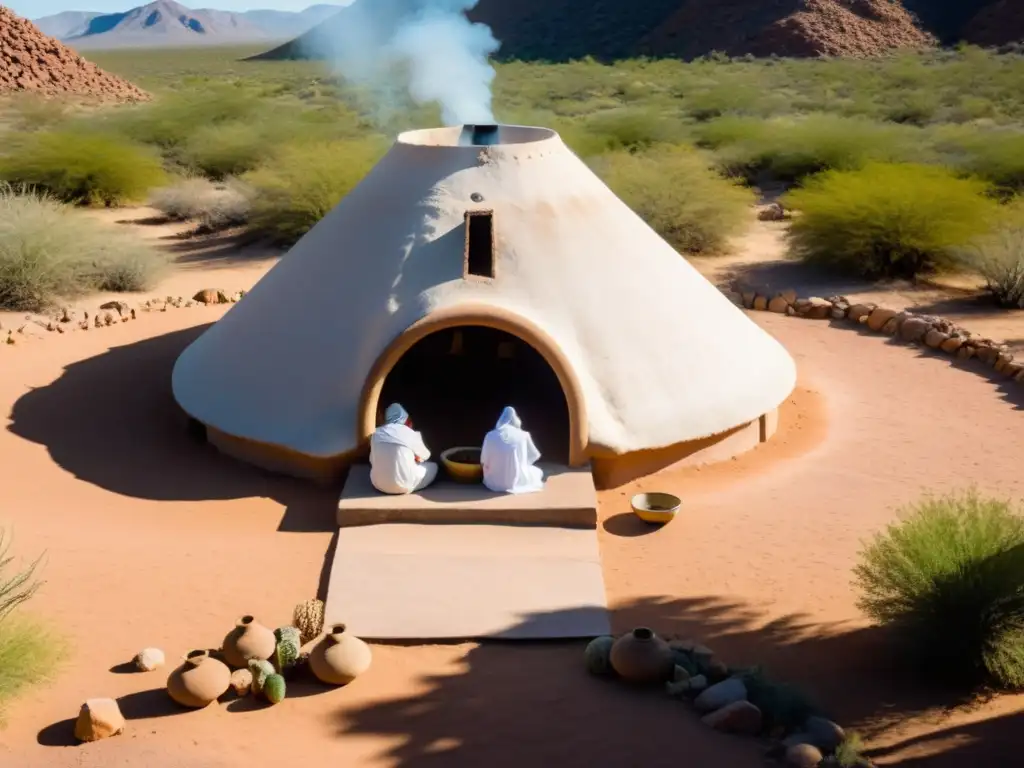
[[568, 499]]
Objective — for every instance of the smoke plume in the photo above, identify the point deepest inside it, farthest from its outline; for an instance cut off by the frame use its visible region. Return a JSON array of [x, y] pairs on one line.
[[426, 50]]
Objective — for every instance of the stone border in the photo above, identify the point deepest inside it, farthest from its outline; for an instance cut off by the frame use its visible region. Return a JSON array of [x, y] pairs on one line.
[[66, 320], [923, 330]]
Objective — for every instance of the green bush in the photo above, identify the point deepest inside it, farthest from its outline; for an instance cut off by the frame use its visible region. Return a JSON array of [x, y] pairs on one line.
[[792, 149], [81, 167], [949, 579], [226, 149], [170, 123], [213, 205], [49, 251], [28, 650], [999, 258], [299, 187], [883, 220], [678, 195], [998, 157]]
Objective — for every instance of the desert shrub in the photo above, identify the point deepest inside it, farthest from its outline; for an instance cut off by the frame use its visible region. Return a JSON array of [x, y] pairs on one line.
[[170, 123], [629, 129], [296, 190], [888, 220], [782, 705], [84, 168], [49, 251], [792, 149], [949, 578], [999, 258], [28, 650], [998, 157], [226, 149], [678, 195], [213, 205]]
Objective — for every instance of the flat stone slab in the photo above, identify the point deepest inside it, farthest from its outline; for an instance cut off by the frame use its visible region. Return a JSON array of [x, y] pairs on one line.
[[567, 499], [412, 581]]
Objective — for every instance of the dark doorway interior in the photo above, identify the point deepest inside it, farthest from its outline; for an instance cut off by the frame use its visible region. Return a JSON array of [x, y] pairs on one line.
[[455, 382]]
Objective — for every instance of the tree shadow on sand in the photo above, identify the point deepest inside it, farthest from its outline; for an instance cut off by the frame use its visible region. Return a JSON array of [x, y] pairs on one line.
[[112, 421], [532, 703]]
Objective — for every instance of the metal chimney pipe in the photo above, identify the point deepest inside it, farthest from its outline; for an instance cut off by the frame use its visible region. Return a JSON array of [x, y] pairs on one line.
[[479, 135]]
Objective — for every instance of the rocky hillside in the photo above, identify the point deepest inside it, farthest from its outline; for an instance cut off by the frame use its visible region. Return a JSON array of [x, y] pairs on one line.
[[561, 30], [31, 61], [999, 23]]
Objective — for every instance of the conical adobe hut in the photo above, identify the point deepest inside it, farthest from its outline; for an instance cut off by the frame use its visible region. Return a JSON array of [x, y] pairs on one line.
[[475, 267]]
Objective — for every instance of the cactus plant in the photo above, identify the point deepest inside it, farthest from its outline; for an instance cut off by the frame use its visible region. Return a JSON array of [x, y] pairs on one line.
[[274, 689], [309, 618], [286, 654], [261, 670]]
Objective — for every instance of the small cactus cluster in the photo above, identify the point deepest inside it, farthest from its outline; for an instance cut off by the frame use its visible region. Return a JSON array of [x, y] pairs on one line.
[[286, 654], [309, 619], [266, 682]]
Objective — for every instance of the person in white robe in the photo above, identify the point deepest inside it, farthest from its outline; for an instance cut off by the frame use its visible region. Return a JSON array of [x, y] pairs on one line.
[[398, 455], [508, 457]]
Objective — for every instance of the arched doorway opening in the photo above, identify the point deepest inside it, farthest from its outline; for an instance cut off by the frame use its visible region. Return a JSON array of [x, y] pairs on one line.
[[455, 381]]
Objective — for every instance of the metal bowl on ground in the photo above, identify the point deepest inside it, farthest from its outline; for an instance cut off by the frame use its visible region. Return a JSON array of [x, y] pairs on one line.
[[463, 464], [656, 507]]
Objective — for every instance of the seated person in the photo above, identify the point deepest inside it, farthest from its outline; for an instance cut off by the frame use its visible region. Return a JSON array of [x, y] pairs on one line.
[[508, 456], [398, 457]]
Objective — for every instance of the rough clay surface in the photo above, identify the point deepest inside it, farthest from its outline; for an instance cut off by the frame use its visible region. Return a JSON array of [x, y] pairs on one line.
[[31, 61]]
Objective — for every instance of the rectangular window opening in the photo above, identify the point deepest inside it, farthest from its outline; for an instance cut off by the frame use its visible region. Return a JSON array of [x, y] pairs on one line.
[[480, 243]]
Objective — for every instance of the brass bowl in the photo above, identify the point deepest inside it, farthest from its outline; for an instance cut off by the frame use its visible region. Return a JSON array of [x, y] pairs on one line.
[[463, 471], [657, 508]]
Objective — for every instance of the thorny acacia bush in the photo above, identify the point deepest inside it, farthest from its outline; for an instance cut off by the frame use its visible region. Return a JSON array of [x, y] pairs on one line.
[[999, 257], [888, 220], [949, 579], [49, 251], [213, 205], [678, 195]]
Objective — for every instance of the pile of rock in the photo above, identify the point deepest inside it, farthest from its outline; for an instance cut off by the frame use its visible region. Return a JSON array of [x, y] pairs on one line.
[[66, 319], [924, 330], [737, 701], [31, 61]]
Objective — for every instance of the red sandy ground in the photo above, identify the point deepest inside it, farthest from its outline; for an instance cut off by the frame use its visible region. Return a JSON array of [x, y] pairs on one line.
[[153, 539]]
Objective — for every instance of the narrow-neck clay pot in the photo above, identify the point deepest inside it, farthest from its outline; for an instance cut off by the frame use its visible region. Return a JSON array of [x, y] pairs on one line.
[[641, 656], [248, 640], [339, 657], [200, 680]]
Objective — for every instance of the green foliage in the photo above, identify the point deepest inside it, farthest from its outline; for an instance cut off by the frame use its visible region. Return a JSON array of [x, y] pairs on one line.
[[997, 157], [226, 149], [286, 653], [850, 753], [949, 578], [15, 588], [789, 149], [896, 220], [296, 190], [84, 167], [49, 251], [172, 121], [676, 193], [261, 671], [999, 258], [274, 689]]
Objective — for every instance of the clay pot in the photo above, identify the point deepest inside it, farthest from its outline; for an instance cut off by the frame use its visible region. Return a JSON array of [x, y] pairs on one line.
[[339, 657], [641, 656], [248, 640], [200, 680]]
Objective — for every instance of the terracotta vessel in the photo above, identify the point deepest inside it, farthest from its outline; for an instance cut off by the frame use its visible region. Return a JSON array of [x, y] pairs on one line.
[[200, 680], [248, 640], [339, 657], [641, 656]]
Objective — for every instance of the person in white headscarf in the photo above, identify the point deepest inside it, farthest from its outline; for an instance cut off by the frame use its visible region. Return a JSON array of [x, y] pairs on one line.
[[398, 456], [508, 457]]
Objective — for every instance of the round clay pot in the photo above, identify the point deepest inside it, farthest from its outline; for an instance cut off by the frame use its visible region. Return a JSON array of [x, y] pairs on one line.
[[641, 656], [339, 657], [248, 640], [200, 680]]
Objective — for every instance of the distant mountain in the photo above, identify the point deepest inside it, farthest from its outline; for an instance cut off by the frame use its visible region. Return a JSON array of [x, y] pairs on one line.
[[166, 23], [67, 24]]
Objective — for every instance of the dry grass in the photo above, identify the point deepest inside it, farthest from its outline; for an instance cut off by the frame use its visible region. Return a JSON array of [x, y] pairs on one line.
[[213, 205]]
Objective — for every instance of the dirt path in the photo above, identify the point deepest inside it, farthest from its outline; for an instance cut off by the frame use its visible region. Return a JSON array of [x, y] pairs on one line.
[[152, 539]]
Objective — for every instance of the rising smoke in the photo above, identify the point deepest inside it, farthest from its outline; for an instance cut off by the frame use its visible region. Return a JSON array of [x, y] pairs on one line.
[[426, 50]]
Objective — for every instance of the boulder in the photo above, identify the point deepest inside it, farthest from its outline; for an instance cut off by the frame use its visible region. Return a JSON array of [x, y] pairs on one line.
[[914, 329], [803, 756], [149, 659], [892, 326], [858, 311], [772, 212], [698, 683], [241, 682], [778, 305], [740, 717], [987, 354], [935, 338], [748, 299], [789, 295], [965, 352], [121, 307], [879, 317], [721, 694], [823, 733], [206, 296], [99, 719], [817, 308], [761, 303], [951, 345], [1013, 370]]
